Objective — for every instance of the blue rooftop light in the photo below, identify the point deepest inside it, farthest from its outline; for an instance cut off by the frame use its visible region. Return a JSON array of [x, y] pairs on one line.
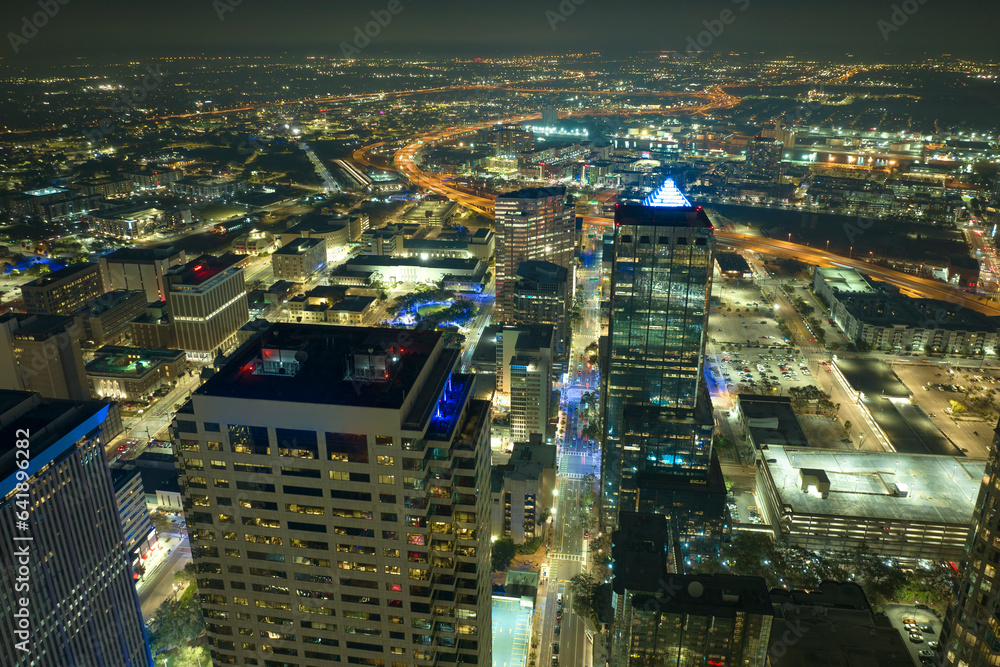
[[667, 196]]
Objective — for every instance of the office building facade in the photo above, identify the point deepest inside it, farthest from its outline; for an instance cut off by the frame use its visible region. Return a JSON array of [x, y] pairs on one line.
[[207, 304], [657, 420], [42, 353], [141, 269], [531, 224], [970, 636], [63, 292], [543, 294], [72, 578], [336, 489]]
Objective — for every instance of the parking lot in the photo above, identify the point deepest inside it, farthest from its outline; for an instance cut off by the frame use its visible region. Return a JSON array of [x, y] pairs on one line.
[[922, 633], [969, 434], [511, 627], [777, 366]]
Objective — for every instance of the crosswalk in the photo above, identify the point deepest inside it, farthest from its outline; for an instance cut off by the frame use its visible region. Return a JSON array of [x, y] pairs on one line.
[[560, 556]]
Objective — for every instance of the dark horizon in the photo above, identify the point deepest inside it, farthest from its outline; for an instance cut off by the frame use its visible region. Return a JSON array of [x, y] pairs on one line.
[[109, 29]]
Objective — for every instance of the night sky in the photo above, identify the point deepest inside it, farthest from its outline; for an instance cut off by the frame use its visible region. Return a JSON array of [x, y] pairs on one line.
[[103, 28]]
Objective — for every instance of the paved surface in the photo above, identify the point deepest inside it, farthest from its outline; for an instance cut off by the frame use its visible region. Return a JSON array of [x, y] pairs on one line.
[[896, 613], [511, 623]]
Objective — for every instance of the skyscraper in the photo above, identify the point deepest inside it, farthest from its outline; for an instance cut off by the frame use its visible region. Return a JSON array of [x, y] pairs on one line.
[[543, 294], [67, 589], [533, 223], [337, 495], [970, 636], [658, 423], [763, 159]]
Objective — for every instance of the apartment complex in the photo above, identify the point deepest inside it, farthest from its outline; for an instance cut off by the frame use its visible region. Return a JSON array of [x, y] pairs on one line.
[[63, 292], [533, 223], [970, 636], [657, 448], [141, 269], [335, 483], [207, 303], [81, 603]]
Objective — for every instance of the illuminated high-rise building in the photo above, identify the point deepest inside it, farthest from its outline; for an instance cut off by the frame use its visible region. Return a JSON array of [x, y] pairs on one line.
[[971, 633], [337, 496], [763, 159], [531, 224], [658, 422], [67, 589]]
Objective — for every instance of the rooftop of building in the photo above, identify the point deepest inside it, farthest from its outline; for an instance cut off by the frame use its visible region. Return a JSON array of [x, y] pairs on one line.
[[37, 326], [719, 595], [64, 273], [128, 212], [122, 474], [54, 427], [130, 361], [320, 224], [354, 304], [299, 246], [542, 271], [841, 629], [844, 280], [772, 420], [142, 255], [642, 550], [446, 263], [940, 489], [202, 269], [351, 366], [731, 262], [872, 377], [534, 193], [661, 216], [888, 308]]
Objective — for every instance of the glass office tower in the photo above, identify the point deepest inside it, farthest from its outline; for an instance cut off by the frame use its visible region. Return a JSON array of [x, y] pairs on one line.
[[658, 420]]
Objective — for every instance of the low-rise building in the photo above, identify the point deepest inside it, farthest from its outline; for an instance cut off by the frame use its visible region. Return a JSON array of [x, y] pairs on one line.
[[334, 230], [768, 420], [136, 221], [876, 316], [208, 188], [905, 506], [297, 260], [522, 491], [417, 270], [133, 374], [432, 211], [256, 243], [154, 178], [326, 305], [731, 265]]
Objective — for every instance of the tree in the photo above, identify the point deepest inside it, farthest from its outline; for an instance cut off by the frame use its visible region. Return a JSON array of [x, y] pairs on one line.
[[847, 426], [190, 656], [177, 622], [583, 587], [504, 551]]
